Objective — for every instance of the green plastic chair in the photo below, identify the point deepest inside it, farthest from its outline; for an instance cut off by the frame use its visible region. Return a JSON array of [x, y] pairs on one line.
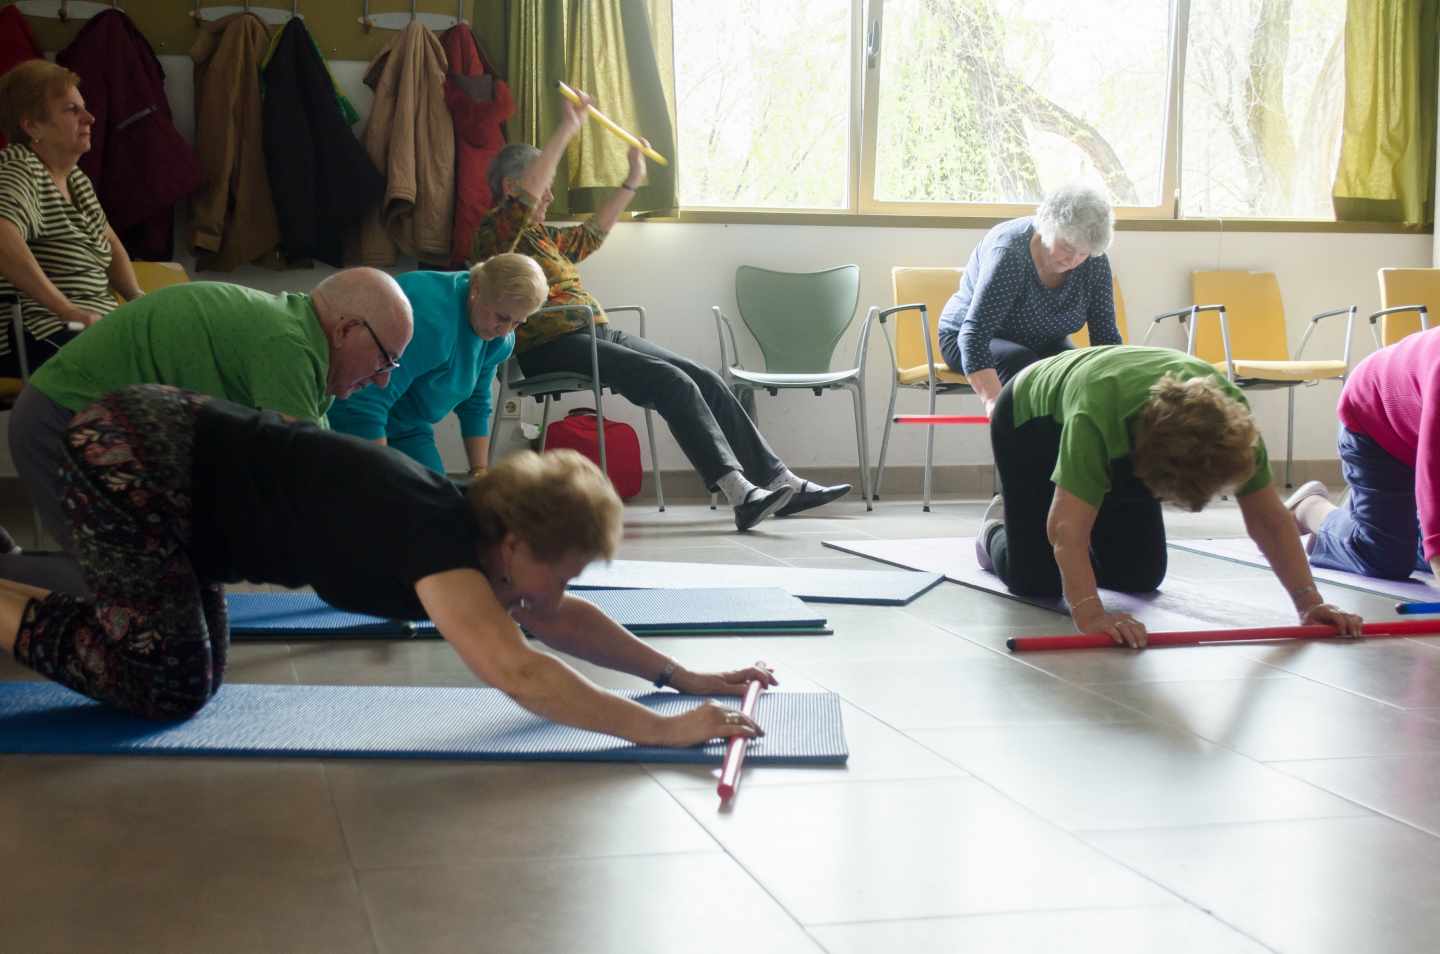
[[797, 318]]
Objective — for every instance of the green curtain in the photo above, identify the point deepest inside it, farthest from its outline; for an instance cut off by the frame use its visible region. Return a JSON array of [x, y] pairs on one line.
[[1387, 151], [619, 51]]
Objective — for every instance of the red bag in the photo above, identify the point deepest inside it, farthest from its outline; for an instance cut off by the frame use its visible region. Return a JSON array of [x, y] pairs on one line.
[[578, 431]]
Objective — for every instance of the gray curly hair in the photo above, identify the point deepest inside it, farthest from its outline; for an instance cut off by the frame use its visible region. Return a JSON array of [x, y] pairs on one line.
[[1079, 214], [509, 163]]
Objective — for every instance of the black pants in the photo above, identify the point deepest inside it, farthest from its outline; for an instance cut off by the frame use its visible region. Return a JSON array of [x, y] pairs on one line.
[[37, 351], [1127, 544], [708, 422], [1010, 358]]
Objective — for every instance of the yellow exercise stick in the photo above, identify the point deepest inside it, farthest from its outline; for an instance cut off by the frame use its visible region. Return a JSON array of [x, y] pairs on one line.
[[611, 125]]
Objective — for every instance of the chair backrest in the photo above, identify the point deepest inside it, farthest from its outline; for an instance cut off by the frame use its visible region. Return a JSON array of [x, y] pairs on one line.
[[1254, 313], [151, 276], [1081, 338], [933, 287], [1408, 286], [797, 317]]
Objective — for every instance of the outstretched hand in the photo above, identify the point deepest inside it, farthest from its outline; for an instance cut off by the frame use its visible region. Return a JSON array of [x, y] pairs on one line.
[[572, 115], [708, 721], [722, 683], [1323, 614]]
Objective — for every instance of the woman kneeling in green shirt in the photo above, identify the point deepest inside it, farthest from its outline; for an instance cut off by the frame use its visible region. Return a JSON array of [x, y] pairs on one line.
[[1088, 443]]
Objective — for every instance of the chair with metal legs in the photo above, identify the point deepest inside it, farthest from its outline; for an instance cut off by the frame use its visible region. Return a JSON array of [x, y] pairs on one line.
[[545, 388]]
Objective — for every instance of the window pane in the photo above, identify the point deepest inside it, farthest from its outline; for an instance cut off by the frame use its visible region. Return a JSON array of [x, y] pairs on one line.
[[1264, 98], [762, 90], [998, 101]]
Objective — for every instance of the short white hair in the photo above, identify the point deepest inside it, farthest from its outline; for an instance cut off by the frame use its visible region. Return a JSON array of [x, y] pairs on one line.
[[1079, 214]]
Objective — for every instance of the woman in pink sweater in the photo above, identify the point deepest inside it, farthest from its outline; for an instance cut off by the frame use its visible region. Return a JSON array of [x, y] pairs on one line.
[[1389, 415]]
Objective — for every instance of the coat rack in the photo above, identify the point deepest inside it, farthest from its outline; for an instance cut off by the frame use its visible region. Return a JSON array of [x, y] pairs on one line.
[[65, 10], [400, 20], [273, 16]]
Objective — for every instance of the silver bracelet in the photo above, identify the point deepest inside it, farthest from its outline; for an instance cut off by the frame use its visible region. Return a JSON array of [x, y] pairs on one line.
[[1092, 596]]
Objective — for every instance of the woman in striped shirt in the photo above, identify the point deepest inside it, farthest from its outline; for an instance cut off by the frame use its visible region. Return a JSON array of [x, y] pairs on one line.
[[57, 251]]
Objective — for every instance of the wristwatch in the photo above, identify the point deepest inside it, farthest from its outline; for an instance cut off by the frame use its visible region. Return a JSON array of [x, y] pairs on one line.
[[663, 680]]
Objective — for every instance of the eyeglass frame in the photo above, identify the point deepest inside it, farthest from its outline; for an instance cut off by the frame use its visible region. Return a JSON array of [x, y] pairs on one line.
[[391, 362]]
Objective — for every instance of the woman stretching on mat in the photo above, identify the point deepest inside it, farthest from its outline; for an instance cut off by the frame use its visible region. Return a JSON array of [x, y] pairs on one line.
[[718, 437], [1088, 443], [1389, 415], [464, 329], [169, 494]]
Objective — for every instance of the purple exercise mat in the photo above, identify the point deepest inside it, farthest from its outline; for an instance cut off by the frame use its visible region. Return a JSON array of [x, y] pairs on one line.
[[1421, 587], [1178, 605]]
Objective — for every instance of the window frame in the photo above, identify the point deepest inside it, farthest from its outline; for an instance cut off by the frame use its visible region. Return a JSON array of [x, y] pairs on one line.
[[867, 33]]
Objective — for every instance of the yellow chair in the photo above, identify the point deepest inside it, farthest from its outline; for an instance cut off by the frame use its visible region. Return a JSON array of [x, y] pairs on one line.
[[1081, 338], [153, 276], [1408, 297], [1248, 342], [915, 350]]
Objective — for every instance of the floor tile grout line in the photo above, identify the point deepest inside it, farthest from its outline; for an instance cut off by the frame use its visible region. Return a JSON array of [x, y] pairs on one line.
[[761, 885]]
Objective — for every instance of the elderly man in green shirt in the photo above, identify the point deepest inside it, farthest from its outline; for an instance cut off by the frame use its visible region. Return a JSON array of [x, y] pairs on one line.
[[285, 352]]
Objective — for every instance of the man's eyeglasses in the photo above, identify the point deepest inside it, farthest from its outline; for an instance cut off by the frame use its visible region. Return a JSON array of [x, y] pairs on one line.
[[391, 362]]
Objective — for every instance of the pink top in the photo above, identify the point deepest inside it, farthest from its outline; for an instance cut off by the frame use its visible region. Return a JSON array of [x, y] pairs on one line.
[[1393, 397]]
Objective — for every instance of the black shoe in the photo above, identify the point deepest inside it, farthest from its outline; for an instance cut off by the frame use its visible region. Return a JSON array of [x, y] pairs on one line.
[[808, 499], [759, 504]]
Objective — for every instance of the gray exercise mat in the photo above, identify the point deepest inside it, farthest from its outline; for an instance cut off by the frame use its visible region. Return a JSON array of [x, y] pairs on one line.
[[874, 587], [1421, 587], [391, 722], [1177, 605]]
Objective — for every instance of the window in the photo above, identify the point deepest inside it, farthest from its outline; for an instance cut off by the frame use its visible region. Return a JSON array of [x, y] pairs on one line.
[[980, 107], [762, 97], [988, 101], [1264, 100]]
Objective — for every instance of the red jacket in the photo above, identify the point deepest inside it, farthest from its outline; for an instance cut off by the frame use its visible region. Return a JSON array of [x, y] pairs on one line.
[[479, 103], [17, 44], [140, 164]]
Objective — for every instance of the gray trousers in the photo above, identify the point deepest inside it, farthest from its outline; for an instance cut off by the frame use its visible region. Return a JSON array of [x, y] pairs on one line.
[[37, 441]]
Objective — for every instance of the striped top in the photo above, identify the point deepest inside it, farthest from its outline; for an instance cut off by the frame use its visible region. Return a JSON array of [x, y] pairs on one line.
[[67, 239]]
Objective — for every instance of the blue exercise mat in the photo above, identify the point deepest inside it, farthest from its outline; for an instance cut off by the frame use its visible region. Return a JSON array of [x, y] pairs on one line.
[[702, 610], [43, 718], [873, 587]]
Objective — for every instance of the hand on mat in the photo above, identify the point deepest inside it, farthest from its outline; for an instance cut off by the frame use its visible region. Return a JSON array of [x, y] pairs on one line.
[[721, 683], [1323, 614], [1125, 629], [709, 721]]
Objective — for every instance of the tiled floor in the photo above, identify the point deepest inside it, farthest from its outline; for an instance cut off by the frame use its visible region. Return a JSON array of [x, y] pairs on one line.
[[1216, 799]]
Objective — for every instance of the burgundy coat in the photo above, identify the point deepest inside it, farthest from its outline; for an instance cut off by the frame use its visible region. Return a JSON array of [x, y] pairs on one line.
[[140, 164], [479, 102], [17, 44]]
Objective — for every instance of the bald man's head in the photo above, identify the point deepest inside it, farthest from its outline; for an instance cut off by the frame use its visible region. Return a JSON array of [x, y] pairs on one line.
[[368, 322]]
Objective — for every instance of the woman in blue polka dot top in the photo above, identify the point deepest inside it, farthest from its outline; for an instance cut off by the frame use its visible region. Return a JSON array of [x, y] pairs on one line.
[[1030, 284]]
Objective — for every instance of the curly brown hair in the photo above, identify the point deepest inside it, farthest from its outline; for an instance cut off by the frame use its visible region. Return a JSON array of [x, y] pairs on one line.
[[1192, 441], [557, 502]]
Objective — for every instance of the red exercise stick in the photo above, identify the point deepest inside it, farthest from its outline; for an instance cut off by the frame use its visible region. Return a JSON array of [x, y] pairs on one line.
[[940, 419], [1399, 627], [735, 748]]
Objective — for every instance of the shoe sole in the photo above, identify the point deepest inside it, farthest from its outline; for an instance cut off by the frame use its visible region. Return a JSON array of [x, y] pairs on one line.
[[777, 500]]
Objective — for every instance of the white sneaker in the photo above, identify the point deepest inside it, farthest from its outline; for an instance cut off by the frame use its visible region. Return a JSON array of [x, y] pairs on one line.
[[996, 510]]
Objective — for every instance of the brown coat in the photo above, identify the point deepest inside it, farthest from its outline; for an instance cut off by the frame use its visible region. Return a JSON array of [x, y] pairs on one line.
[[234, 213], [409, 135]]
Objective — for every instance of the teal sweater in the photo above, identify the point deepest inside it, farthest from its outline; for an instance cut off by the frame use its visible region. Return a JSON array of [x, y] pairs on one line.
[[446, 367]]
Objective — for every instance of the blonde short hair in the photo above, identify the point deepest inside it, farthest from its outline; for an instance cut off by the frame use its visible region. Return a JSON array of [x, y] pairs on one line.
[[510, 278], [557, 502], [25, 94], [1193, 441]]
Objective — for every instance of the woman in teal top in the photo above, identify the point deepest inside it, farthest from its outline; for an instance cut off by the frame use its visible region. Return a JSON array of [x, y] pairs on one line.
[[1089, 442], [464, 329]]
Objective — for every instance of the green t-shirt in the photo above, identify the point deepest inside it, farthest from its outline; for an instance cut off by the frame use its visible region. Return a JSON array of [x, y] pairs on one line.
[[247, 346], [1093, 394]]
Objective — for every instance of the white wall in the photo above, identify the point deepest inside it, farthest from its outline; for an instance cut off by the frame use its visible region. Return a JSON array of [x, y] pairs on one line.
[[678, 271]]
